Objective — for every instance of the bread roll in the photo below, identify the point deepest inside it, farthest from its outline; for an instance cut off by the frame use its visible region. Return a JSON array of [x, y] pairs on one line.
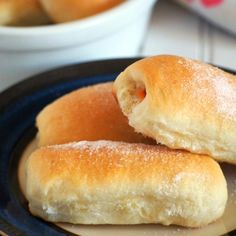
[[22, 13], [105, 182], [89, 113], [182, 103], [70, 10]]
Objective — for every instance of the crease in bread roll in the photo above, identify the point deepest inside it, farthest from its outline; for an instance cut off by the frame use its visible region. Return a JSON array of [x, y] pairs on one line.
[[105, 182], [22, 13], [187, 104], [89, 113]]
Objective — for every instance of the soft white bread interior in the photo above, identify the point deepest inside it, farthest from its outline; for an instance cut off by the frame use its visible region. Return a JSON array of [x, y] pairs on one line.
[[22, 13], [70, 10], [90, 113], [182, 103], [105, 182]]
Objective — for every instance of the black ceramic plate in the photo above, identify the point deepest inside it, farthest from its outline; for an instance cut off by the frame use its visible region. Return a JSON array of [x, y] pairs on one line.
[[19, 106]]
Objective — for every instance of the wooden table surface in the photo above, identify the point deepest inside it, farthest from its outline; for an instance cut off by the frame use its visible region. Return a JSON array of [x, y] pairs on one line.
[[175, 30]]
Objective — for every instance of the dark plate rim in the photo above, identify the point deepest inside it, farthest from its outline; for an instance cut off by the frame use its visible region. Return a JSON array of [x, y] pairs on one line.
[[28, 85]]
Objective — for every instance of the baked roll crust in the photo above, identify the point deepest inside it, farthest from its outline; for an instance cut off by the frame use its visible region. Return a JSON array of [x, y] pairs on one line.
[[90, 113], [22, 13], [182, 103], [105, 182], [70, 10]]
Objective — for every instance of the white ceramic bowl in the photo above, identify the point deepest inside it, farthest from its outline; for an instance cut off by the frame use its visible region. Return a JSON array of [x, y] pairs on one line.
[[117, 32]]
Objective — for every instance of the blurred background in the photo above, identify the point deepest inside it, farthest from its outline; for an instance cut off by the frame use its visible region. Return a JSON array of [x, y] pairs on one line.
[[39, 35], [208, 33]]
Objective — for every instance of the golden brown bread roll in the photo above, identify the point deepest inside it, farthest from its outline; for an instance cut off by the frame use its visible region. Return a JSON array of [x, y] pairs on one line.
[[89, 113], [69, 10], [182, 103], [22, 13], [105, 182]]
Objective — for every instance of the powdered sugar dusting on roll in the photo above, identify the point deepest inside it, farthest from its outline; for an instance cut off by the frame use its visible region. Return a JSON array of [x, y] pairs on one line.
[[111, 146], [121, 155], [137, 151], [226, 99], [211, 86]]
